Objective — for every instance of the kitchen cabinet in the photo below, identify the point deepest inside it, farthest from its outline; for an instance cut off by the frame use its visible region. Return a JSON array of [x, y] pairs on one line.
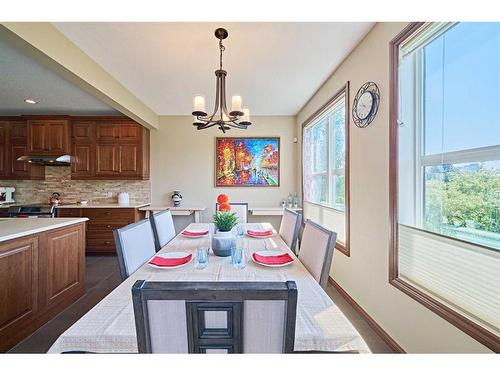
[[13, 144], [102, 222], [40, 275], [48, 136], [109, 148]]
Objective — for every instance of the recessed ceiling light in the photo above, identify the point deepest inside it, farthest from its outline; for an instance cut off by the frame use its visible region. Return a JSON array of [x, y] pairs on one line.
[[30, 101]]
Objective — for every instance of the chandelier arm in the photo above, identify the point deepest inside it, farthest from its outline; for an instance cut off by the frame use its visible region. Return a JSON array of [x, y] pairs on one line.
[[224, 105]]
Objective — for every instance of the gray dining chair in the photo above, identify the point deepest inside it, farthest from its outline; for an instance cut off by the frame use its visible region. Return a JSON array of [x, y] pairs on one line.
[[163, 228], [215, 317], [290, 227], [316, 251], [134, 246], [240, 209]]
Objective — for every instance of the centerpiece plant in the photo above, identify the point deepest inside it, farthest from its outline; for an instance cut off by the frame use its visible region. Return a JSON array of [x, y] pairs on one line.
[[224, 219], [223, 240]]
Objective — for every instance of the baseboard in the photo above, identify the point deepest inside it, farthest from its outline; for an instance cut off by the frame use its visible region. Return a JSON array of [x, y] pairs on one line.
[[371, 322]]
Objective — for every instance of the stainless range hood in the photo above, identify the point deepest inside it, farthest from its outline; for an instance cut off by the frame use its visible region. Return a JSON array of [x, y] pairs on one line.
[[56, 161]]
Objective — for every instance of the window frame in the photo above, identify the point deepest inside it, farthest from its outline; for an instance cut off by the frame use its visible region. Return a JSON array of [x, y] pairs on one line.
[[479, 333], [343, 247]]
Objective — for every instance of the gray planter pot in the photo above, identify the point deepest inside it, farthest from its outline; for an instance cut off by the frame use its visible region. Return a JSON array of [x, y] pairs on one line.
[[222, 242]]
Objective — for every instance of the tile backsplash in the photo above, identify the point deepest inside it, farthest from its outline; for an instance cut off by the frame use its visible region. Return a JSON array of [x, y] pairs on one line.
[[58, 179]]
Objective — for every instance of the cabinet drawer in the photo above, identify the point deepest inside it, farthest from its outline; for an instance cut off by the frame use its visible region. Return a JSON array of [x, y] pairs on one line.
[[110, 215], [100, 243], [69, 212], [102, 226]]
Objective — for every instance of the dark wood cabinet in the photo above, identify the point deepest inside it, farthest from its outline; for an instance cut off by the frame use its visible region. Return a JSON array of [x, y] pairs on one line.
[[40, 275], [109, 148], [102, 221], [13, 144], [48, 136]]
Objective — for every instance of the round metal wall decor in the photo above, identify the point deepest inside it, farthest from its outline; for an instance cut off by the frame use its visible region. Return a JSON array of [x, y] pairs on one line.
[[365, 105]]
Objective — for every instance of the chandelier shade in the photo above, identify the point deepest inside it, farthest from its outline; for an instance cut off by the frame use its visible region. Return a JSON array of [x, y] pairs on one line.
[[237, 117]]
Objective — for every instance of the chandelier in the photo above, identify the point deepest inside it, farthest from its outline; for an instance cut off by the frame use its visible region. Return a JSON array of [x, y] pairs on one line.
[[238, 117]]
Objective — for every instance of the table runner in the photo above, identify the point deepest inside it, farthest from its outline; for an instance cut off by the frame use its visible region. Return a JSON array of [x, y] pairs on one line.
[[109, 327]]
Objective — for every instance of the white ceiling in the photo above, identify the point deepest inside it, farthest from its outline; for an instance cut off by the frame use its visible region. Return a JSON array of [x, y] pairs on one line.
[[276, 67], [21, 77]]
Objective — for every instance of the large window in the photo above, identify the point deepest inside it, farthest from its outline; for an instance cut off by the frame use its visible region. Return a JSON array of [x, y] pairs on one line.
[[324, 157], [325, 167], [446, 170]]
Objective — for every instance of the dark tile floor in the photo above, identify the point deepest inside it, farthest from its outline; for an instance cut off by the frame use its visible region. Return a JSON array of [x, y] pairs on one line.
[[102, 276]]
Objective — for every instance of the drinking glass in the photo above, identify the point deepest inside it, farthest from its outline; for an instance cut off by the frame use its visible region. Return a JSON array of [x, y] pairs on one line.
[[201, 258], [240, 231], [238, 256]]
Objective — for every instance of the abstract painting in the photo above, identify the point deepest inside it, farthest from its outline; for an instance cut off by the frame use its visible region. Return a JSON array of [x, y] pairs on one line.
[[247, 162]]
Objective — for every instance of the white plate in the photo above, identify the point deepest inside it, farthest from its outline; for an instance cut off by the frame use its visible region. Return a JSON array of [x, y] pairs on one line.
[[196, 236], [173, 254], [254, 236], [266, 253]]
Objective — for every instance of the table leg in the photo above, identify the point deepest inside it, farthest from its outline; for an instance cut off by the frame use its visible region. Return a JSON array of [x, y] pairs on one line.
[[197, 216]]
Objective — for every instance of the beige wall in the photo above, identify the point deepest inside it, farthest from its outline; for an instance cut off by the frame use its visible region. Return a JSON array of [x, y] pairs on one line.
[[182, 158], [364, 275]]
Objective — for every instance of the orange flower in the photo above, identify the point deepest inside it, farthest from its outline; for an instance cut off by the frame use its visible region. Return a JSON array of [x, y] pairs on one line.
[[225, 207], [222, 198]]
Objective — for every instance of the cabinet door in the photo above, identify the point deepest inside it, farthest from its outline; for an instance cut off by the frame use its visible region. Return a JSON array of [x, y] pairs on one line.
[[83, 131], [57, 137], [62, 263], [129, 160], [4, 170], [37, 137], [18, 132], [107, 133], [83, 163], [130, 132], [19, 281], [19, 169], [107, 160]]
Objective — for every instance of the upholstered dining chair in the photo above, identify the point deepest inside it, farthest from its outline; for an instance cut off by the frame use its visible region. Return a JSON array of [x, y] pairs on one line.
[[135, 244], [163, 228], [240, 209], [316, 251], [215, 317], [290, 227]]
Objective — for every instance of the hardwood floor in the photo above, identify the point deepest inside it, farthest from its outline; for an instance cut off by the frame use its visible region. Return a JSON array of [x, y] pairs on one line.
[[103, 275]]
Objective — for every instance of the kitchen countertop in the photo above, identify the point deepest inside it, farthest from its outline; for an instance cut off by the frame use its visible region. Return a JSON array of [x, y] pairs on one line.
[[103, 205], [183, 207], [14, 228]]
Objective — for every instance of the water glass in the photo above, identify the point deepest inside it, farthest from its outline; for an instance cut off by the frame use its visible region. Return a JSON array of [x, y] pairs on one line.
[[238, 256], [240, 231], [201, 258]]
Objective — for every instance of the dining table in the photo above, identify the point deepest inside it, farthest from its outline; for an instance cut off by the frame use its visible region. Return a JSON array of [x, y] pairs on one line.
[[109, 327]]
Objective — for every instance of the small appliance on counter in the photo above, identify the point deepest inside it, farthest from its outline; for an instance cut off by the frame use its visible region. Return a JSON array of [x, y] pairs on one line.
[[7, 195], [32, 211], [176, 198], [55, 199], [123, 199]]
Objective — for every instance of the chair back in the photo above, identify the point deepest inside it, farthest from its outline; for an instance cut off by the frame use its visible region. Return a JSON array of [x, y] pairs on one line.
[[316, 251], [163, 228], [215, 317], [134, 246], [240, 209], [289, 228]]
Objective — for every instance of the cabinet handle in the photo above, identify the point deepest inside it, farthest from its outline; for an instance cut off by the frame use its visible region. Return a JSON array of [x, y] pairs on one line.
[[108, 226], [107, 242], [108, 213]]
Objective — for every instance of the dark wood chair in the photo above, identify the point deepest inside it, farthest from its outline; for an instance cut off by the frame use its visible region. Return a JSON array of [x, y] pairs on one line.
[[215, 317], [316, 251], [240, 209], [290, 227], [163, 228], [134, 246]]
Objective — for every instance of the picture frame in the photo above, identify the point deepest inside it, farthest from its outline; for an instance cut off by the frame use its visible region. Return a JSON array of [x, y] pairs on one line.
[[247, 162]]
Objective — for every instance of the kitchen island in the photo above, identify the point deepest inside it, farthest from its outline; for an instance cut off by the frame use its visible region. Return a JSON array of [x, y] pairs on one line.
[[42, 271]]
